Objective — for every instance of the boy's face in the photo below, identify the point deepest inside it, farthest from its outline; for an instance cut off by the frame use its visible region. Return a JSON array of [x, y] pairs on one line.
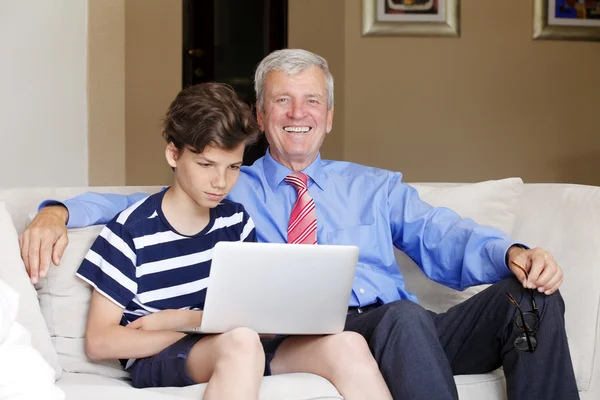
[[206, 178]]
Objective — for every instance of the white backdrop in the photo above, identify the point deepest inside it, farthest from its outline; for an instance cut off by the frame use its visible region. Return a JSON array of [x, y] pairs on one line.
[[43, 117]]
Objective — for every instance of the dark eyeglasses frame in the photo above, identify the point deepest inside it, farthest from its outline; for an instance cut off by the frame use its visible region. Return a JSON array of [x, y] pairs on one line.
[[528, 332]]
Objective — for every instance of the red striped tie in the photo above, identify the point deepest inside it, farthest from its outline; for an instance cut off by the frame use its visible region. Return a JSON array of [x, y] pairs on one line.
[[303, 219]]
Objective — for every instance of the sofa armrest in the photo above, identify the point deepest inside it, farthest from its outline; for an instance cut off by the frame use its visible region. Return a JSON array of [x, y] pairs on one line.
[[565, 219]]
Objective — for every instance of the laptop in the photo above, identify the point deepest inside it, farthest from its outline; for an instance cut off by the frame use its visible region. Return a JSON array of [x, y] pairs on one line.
[[277, 288]]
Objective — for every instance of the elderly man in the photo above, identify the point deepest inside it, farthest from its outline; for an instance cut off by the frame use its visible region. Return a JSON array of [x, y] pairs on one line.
[[418, 351]]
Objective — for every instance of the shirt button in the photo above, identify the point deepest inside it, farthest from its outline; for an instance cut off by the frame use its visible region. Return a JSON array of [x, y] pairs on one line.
[[362, 291]]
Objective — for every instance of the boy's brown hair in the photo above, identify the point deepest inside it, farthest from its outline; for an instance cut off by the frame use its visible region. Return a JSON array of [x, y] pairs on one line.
[[209, 114]]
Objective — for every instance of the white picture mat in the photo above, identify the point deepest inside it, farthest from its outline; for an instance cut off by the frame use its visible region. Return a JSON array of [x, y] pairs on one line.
[[382, 16]]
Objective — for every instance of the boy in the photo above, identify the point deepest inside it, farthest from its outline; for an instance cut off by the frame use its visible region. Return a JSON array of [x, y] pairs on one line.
[[149, 266]]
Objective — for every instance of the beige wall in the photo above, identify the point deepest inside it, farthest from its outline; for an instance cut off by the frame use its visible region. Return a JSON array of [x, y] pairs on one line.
[[490, 104], [106, 92], [134, 71], [153, 78]]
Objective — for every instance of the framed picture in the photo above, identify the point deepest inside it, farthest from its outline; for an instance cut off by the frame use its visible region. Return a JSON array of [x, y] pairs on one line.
[[566, 19], [410, 18]]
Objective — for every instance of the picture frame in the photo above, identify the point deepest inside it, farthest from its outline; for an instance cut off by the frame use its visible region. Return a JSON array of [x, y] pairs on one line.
[[566, 20], [411, 18]]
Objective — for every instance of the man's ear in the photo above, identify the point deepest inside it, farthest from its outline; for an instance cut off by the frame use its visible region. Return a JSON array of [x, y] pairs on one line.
[[329, 120], [260, 117], [172, 154]]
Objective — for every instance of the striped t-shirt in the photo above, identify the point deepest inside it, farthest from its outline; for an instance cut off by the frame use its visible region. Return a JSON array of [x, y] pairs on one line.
[[143, 265]]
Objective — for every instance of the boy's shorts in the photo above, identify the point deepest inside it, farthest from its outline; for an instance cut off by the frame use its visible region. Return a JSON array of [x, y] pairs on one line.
[[167, 368]]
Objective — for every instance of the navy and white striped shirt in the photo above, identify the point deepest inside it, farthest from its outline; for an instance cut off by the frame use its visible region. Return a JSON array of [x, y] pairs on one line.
[[143, 265]]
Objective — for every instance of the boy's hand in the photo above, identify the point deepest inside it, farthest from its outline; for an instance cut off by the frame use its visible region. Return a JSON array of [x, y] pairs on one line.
[[168, 320]]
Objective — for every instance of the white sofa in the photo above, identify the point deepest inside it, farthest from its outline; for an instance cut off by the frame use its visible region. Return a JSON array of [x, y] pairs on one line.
[[562, 218]]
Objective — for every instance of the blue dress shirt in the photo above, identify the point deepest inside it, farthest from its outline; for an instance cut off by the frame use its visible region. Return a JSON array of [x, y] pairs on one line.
[[356, 205]]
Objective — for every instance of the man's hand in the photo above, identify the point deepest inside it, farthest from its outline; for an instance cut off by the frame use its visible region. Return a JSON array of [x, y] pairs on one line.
[[544, 274], [168, 320], [45, 237]]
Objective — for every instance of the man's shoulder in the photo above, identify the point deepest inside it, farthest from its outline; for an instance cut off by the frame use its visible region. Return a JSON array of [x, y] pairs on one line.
[[251, 173], [350, 169]]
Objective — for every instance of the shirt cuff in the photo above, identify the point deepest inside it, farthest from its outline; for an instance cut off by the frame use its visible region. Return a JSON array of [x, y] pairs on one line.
[[76, 217], [521, 245], [499, 254]]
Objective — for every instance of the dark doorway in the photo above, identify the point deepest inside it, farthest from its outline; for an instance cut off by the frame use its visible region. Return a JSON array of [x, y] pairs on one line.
[[224, 40]]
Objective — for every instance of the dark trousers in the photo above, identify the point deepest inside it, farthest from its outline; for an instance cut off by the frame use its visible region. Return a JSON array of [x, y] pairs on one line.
[[419, 351]]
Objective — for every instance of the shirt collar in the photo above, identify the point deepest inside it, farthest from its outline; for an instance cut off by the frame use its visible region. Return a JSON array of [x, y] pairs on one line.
[[275, 173]]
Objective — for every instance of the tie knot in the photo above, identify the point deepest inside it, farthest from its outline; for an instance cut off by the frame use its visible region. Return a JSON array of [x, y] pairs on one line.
[[298, 179]]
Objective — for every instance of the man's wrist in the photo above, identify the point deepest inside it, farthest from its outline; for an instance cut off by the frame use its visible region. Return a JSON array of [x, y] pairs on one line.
[[55, 207], [516, 247], [59, 210]]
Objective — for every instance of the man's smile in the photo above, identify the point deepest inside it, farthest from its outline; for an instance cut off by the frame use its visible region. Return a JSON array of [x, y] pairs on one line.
[[297, 129]]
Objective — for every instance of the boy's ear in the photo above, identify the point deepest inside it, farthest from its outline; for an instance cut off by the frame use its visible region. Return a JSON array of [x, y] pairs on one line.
[[172, 154]]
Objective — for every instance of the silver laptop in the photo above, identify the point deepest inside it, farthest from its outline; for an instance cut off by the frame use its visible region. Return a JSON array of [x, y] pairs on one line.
[[278, 288]]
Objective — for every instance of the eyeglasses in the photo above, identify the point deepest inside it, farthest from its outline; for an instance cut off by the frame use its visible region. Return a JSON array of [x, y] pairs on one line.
[[528, 321]]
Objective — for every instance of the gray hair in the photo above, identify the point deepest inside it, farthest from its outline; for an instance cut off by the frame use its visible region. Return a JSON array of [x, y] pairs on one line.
[[290, 62]]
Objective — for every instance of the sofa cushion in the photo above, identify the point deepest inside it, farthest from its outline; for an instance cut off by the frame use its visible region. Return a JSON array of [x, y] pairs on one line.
[[12, 272], [64, 301], [491, 386], [493, 203], [62, 295], [565, 220], [279, 387], [20, 360]]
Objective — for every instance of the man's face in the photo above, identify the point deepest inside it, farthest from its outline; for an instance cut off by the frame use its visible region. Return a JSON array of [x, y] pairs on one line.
[[295, 117], [205, 178]]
